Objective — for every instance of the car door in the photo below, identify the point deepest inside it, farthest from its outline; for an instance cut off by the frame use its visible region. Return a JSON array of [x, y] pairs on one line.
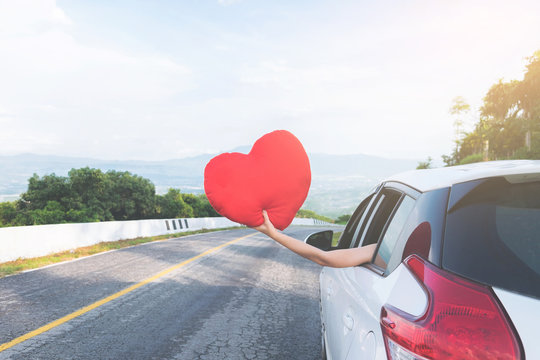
[[354, 296], [332, 286]]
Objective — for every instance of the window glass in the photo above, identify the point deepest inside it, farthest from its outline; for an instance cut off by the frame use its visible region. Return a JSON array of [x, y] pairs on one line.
[[368, 214], [381, 213], [419, 242], [493, 236], [393, 230], [352, 224], [362, 223], [423, 232]]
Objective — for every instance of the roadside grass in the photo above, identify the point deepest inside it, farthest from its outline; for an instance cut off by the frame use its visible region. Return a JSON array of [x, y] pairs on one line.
[[16, 266], [335, 238]]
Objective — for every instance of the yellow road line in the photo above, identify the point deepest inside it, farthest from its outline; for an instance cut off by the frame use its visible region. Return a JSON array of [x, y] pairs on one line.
[[103, 301]]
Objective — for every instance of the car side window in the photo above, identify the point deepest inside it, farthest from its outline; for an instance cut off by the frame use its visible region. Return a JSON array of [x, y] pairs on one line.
[[352, 226], [366, 219], [393, 230], [422, 233], [382, 211]]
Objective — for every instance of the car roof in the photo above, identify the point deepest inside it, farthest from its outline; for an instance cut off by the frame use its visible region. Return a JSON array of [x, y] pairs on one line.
[[431, 179]]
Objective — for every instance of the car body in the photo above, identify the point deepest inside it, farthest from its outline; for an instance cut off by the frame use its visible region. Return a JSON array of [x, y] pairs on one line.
[[456, 273]]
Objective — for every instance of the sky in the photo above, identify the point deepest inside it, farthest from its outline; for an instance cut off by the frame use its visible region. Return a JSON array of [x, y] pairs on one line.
[[157, 80]]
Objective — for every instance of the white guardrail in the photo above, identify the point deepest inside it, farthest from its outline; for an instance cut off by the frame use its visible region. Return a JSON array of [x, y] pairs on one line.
[[39, 240]]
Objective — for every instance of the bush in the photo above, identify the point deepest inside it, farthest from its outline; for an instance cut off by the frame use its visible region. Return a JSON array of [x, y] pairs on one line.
[[425, 164], [200, 204], [172, 205], [303, 213], [474, 158], [533, 153], [343, 219], [90, 195], [8, 213]]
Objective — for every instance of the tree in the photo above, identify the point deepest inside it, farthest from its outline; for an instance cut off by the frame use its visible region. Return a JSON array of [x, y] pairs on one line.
[[86, 195], [425, 164], [172, 205], [509, 123], [458, 110], [130, 197], [528, 95], [8, 213], [90, 195], [53, 213], [200, 204], [500, 124], [42, 190], [207, 209]]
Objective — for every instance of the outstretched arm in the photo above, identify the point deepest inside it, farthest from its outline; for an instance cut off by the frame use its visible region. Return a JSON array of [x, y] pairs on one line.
[[337, 258]]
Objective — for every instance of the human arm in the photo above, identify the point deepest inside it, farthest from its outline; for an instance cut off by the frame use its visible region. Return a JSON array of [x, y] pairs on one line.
[[338, 258]]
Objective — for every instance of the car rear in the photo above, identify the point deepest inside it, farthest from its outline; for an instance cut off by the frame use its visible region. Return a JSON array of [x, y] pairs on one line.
[[483, 298]]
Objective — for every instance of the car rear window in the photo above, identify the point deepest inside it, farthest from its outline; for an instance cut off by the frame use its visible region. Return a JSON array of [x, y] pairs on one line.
[[493, 235]]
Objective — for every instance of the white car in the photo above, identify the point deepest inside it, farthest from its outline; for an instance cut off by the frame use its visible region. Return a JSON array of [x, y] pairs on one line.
[[456, 274]]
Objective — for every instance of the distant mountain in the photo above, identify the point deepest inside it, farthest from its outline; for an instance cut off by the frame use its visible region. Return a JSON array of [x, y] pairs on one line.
[[338, 181], [354, 165]]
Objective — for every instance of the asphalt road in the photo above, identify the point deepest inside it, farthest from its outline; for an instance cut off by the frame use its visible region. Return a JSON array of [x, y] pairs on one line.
[[252, 299]]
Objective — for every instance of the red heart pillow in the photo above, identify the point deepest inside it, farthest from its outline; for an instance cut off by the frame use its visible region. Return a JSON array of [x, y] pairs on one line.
[[275, 176]]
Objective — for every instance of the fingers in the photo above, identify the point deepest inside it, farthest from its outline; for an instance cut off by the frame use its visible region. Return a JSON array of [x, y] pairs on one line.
[[267, 227], [264, 226]]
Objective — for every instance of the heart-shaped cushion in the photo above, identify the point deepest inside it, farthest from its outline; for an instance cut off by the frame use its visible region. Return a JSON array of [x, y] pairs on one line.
[[275, 176]]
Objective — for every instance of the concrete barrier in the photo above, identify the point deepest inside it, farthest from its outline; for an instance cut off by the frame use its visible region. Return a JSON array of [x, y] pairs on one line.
[[39, 240], [311, 222]]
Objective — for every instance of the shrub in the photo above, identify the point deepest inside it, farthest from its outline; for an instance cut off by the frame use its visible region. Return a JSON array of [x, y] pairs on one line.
[[474, 158], [342, 219]]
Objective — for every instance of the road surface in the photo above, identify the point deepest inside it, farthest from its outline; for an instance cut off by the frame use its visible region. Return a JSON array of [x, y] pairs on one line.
[[249, 299]]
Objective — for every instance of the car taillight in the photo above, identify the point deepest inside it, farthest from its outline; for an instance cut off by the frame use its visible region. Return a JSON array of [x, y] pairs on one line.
[[463, 320]]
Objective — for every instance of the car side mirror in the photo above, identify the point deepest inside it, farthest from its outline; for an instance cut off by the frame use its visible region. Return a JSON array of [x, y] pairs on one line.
[[321, 240]]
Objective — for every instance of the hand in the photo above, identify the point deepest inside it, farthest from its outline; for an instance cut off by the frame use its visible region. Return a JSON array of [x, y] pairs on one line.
[[266, 227]]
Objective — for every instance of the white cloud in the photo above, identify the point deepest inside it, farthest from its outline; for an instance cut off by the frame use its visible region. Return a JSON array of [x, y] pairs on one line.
[[345, 77], [287, 76], [29, 16], [59, 88]]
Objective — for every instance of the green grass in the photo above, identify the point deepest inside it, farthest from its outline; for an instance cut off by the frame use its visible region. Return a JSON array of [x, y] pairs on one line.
[[16, 266], [335, 238]]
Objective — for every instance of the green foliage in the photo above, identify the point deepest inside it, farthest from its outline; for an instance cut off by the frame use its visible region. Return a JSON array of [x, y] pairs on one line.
[[130, 197], [425, 164], [342, 219], [42, 190], [89, 199], [533, 152], [459, 106], [304, 213], [335, 238], [53, 213], [509, 123], [473, 158], [8, 213], [88, 195], [449, 160], [200, 205], [172, 205]]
